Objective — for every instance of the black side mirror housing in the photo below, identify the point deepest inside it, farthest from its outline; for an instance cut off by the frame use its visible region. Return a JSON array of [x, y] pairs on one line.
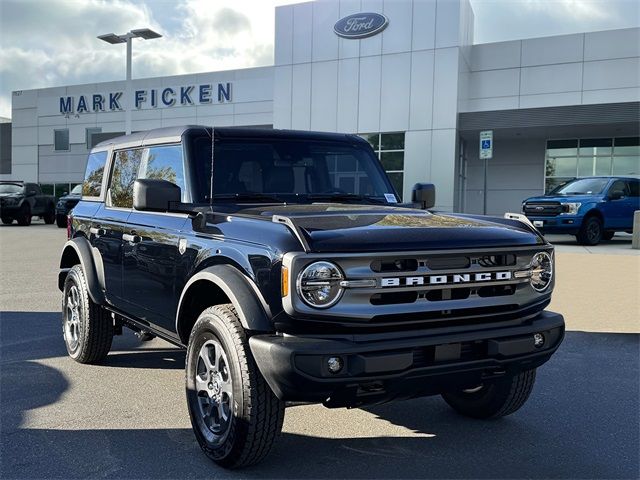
[[424, 194], [154, 194]]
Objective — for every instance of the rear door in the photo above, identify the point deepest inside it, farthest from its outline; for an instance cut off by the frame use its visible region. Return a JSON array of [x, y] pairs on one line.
[[615, 210], [108, 223], [151, 246], [632, 202]]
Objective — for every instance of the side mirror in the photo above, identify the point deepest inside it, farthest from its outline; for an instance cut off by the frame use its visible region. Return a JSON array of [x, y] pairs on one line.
[[31, 193], [616, 195], [154, 194], [424, 194]]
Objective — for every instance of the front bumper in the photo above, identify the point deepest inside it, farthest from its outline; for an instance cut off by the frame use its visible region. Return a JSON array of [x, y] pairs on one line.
[[381, 370], [561, 224]]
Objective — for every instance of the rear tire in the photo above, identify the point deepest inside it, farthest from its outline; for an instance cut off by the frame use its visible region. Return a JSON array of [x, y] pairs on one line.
[[50, 216], [61, 221], [590, 231], [86, 327], [495, 399], [235, 415], [24, 217], [7, 220]]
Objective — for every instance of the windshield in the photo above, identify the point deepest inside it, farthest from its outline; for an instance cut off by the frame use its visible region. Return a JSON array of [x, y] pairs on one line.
[[77, 190], [10, 188], [582, 186], [289, 170]]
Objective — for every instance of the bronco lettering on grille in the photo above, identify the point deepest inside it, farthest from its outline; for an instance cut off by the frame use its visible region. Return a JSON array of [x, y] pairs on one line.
[[450, 279]]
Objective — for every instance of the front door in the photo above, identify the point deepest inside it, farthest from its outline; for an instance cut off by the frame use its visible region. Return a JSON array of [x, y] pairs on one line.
[[151, 245]]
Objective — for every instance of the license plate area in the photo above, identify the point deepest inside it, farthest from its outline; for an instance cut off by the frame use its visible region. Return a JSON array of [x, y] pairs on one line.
[[538, 223]]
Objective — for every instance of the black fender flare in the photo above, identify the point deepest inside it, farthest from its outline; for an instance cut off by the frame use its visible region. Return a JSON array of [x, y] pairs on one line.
[[253, 311], [82, 249]]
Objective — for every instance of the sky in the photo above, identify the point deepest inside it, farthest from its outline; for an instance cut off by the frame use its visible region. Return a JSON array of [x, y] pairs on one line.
[[46, 43]]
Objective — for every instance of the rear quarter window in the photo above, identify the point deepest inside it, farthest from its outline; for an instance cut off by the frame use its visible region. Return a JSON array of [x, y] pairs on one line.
[[94, 174]]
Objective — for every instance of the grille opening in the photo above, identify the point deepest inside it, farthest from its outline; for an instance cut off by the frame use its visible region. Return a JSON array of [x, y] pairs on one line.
[[448, 294], [399, 265], [497, 291], [497, 260], [474, 350], [393, 298], [445, 263]]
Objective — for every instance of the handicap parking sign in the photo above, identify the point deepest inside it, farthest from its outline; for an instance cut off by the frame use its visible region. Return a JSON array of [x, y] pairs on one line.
[[486, 144]]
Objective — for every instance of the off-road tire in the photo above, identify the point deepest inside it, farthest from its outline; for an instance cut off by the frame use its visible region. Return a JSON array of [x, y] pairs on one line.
[[24, 217], [50, 215], [95, 324], [496, 399], [7, 220], [608, 235], [61, 221], [257, 416], [590, 232]]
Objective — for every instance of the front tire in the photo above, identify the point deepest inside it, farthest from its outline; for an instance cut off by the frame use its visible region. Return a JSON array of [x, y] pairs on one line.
[[7, 220], [495, 399], [50, 216], [24, 217], [87, 328], [61, 221], [591, 231], [235, 416]]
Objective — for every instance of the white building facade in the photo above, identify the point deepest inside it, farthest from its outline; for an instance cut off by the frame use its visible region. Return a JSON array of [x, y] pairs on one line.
[[417, 88]]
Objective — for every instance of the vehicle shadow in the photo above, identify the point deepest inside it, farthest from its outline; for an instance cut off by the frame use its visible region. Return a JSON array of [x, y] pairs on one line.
[[581, 422]]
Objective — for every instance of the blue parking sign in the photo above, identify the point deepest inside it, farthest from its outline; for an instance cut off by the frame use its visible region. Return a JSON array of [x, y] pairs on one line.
[[486, 144]]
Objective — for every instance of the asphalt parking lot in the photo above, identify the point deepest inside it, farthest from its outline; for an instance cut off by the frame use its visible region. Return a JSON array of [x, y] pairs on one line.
[[128, 418]]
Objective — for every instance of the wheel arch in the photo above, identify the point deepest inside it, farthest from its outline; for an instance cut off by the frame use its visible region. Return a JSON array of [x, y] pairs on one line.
[[77, 251], [216, 285]]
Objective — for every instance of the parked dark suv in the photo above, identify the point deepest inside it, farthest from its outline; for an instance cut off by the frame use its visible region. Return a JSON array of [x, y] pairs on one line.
[[591, 208], [285, 265], [65, 205], [22, 200]]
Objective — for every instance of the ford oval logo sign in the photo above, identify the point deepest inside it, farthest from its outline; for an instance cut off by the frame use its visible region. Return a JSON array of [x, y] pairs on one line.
[[360, 25]]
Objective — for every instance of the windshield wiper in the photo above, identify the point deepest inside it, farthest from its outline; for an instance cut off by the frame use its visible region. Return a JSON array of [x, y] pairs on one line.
[[340, 197], [248, 197]]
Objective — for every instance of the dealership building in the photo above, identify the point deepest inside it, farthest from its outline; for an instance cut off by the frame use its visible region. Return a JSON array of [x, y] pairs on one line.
[[405, 74]]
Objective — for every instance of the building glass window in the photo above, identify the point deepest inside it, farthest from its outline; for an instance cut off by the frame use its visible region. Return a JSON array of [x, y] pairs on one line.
[[61, 139], [125, 172], [91, 137], [389, 148], [568, 159]]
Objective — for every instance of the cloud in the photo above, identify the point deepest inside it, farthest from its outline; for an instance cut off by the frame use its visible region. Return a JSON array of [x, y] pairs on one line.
[[53, 43]]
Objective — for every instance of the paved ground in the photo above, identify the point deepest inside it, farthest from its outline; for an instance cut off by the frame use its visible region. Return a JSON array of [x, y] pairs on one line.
[[128, 419]]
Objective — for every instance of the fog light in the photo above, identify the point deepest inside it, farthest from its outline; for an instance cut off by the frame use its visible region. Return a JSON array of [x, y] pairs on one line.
[[538, 340], [335, 364]]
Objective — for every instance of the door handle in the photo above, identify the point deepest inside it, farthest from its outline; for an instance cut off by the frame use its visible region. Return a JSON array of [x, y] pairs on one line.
[[131, 237], [97, 231]]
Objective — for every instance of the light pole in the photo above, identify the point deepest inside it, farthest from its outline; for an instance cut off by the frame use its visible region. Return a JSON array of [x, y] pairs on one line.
[[112, 38]]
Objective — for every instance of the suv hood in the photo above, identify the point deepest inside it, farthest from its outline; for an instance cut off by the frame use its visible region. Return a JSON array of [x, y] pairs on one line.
[[359, 228]]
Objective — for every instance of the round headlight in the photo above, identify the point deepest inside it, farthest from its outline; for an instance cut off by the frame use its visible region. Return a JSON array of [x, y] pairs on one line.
[[541, 271], [319, 284]]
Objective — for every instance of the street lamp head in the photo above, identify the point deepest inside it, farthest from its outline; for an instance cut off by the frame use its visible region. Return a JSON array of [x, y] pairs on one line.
[[112, 38], [145, 33]]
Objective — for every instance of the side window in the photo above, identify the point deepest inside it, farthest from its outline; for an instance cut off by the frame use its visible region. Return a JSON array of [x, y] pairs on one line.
[[165, 163], [125, 172], [619, 186], [92, 186], [634, 188]]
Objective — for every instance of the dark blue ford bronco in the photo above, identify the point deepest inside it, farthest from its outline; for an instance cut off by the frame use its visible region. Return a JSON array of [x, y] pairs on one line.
[[591, 208], [286, 266]]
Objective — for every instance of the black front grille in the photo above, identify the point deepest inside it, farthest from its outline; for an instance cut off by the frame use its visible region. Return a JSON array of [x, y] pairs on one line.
[[543, 209]]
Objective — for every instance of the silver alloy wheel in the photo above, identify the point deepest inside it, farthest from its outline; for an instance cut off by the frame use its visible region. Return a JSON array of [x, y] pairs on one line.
[[72, 319], [215, 391]]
